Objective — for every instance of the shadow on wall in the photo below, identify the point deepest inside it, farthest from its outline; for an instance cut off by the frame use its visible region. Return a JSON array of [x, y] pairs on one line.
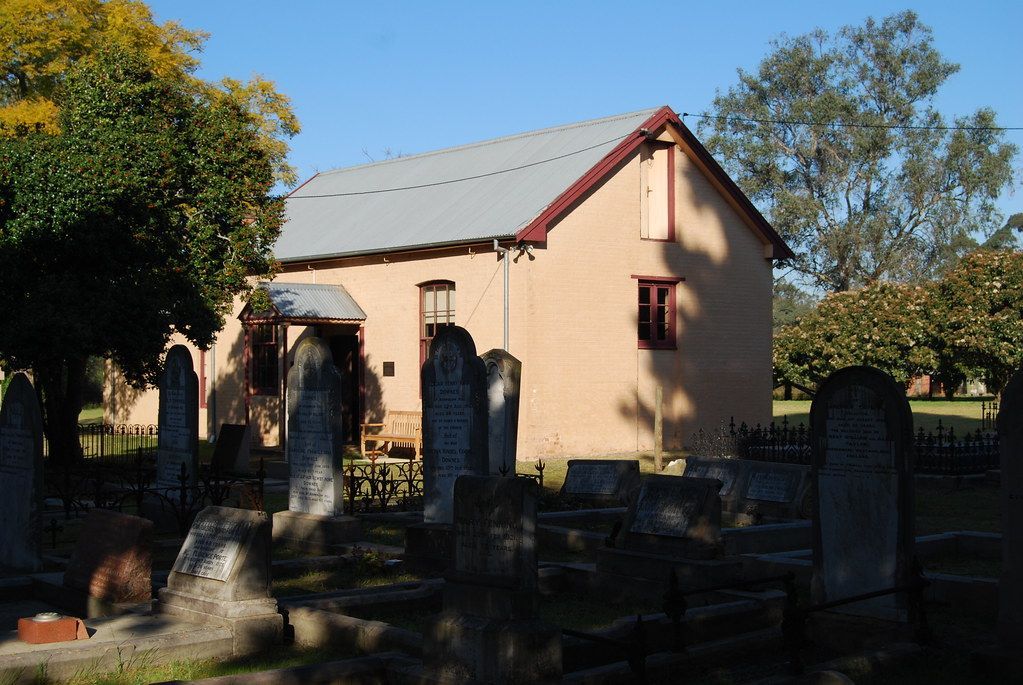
[[119, 397]]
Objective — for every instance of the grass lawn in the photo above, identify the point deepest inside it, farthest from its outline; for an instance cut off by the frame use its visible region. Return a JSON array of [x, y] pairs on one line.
[[91, 414], [964, 413]]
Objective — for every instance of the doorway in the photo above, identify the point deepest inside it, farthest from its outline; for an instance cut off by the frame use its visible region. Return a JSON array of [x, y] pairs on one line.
[[345, 350]]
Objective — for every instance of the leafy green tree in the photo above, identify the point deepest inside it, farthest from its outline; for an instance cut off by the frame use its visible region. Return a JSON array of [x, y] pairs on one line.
[[1006, 238], [879, 186], [977, 313], [884, 325], [790, 303], [143, 214]]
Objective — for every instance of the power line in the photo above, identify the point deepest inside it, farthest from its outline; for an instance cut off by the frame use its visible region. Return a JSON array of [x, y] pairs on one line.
[[842, 124], [464, 178]]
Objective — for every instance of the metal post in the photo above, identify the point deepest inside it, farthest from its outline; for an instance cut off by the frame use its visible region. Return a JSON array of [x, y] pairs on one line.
[[503, 251], [658, 430]]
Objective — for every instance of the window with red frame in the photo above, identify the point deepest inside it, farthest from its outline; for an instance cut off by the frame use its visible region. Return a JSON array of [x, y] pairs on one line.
[[437, 310], [263, 377], [656, 328]]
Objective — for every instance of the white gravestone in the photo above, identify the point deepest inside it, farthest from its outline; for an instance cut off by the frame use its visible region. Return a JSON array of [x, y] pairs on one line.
[[503, 379]]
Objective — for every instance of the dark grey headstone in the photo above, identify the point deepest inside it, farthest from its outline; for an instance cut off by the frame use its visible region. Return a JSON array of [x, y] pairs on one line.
[[232, 450], [315, 438], [724, 470], [21, 475], [674, 513], [178, 441], [226, 556], [504, 373], [601, 481], [1010, 586], [861, 434], [454, 382], [495, 530]]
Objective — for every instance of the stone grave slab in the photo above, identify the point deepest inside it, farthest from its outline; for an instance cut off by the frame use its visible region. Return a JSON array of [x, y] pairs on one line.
[[861, 435], [775, 490], [232, 451], [488, 631], [21, 476], [601, 482], [315, 520], [504, 373], [222, 577], [112, 562], [178, 440], [1010, 585], [724, 470]]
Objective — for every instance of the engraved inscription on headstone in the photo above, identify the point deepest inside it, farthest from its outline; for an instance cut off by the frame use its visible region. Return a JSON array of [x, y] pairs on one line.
[[725, 473], [494, 527], [454, 419], [591, 479], [21, 473], [314, 431], [178, 439], [503, 375], [862, 431], [660, 510], [773, 486], [212, 547]]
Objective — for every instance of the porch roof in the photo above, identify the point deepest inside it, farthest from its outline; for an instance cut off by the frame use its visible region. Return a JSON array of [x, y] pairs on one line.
[[308, 302]]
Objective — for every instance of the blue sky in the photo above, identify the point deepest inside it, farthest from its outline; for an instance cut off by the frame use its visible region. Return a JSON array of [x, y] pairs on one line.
[[408, 77]]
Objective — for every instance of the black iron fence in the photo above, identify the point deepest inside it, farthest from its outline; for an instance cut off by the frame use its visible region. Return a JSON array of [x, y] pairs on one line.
[[941, 451], [381, 486], [106, 440]]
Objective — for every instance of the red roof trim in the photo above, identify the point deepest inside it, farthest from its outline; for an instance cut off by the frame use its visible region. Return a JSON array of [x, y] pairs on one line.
[[537, 229]]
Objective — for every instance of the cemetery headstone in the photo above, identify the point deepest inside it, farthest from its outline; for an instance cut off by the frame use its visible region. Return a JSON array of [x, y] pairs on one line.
[[504, 373], [724, 470], [232, 450], [222, 577], [315, 518], [488, 631], [673, 513], [861, 435], [21, 475], [1010, 585], [776, 490], [454, 382], [178, 439], [113, 558], [602, 482]]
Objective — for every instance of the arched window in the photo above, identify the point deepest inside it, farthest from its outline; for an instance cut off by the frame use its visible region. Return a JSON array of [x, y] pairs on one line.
[[436, 310]]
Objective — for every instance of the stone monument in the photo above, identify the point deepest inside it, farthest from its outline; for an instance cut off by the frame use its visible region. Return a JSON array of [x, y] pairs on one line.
[[178, 439], [222, 577], [21, 476], [315, 520], [862, 440], [504, 373], [601, 482], [454, 382], [232, 451], [1010, 585], [488, 631]]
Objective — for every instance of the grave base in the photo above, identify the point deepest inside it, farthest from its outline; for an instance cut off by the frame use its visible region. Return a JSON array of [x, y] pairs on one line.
[[429, 546], [315, 534], [460, 648], [255, 623], [692, 573]]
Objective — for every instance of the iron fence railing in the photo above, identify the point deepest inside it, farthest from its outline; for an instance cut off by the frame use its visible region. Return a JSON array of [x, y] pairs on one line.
[[940, 451], [105, 440]]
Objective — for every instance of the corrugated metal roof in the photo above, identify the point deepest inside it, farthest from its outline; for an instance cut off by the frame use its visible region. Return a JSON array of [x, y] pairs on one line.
[[314, 301], [487, 201]]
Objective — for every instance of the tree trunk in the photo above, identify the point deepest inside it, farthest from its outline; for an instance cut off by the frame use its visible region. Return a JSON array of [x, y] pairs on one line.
[[60, 385]]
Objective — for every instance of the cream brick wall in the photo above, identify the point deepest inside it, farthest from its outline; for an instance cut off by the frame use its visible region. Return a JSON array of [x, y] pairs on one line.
[[586, 387]]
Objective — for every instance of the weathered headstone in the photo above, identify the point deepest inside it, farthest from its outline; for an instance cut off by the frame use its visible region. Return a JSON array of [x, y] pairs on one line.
[[504, 373], [222, 577], [776, 490], [232, 450], [178, 440], [315, 518], [454, 382], [488, 631], [1010, 585], [603, 482], [113, 558], [21, 475], [724, 470], [673, 513], [862, 440]]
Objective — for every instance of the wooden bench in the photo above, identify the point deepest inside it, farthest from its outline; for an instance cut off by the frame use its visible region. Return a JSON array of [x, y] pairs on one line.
[[399, 429]]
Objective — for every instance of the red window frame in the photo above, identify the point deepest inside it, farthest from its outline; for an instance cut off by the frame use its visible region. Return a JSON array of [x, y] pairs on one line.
[[264, 362], [657, 313], [426, 333]]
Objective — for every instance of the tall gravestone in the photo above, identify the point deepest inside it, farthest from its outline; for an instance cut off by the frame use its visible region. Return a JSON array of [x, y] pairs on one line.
[[21, 475], [315, 518], [222, 577], [1010, 585], [488, 631], [455, 420], [862, 441], [178, 439], [504, 374]]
